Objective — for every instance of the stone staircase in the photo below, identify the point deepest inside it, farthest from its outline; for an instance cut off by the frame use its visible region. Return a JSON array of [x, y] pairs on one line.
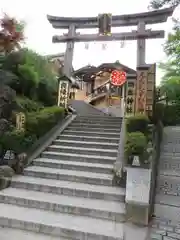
[[84, 109], [67, 193], [166, 225]]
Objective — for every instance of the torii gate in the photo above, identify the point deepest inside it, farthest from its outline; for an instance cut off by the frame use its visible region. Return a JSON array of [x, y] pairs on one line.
[[141, 34]]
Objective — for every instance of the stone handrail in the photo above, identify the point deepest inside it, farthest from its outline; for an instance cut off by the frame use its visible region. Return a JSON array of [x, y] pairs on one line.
[[42, 143], [157, 139], [120, 160]]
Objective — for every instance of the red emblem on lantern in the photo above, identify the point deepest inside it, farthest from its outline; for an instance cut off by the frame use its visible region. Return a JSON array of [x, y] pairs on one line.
[[118, 78]]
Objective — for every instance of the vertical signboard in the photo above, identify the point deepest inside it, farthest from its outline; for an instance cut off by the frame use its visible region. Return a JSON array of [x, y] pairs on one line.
[[151, 81], [63, 94], [20, 121], [141, 89], [145, 89]]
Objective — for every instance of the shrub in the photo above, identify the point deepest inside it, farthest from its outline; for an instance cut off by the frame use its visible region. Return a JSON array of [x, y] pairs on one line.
[[137, 123], [16, 141], [136, 145], [28, 105], [171, 115], [38, 123]]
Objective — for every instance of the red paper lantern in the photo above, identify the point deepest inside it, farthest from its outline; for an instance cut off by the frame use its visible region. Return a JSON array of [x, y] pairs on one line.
[[118, 78]]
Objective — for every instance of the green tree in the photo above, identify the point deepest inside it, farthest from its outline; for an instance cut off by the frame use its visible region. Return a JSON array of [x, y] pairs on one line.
[[11, 34], [34, 75], [28, 80], [171, 79], [156, 4]]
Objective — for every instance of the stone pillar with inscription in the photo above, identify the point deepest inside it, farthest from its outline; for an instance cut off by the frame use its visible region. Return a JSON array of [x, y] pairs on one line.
[[151, 84]]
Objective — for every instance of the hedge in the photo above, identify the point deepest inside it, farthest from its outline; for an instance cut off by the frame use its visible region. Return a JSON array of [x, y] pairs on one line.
[[137, 123], [168, 114], [171, 115], [136, 137], [27, 105], [37, 124], [18, 141], [136, 145]]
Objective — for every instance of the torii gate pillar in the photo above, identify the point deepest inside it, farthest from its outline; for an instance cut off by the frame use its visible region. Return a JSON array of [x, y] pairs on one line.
[[68, 58], [141, 46]]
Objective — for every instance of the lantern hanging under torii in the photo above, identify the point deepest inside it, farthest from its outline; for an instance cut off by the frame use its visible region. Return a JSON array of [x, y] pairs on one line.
[[104, 46], [86, 46]]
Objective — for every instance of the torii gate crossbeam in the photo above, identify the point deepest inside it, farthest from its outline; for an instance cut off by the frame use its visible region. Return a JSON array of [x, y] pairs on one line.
[[140, 20]]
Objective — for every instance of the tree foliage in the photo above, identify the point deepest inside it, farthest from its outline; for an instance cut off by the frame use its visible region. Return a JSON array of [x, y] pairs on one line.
[[24, 70], [11, 34], [156, 4], [34, 76], [170, 85]]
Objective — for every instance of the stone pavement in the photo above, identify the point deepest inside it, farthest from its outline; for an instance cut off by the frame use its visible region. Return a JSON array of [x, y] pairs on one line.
[[166, 225]]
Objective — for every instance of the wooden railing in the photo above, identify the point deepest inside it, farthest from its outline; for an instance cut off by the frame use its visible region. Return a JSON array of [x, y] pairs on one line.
[[102, 90]]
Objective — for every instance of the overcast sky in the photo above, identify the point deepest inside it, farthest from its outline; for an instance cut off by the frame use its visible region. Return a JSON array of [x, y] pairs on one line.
[[39, 32]]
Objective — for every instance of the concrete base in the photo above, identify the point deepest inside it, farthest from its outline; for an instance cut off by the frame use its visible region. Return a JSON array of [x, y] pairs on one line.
[[138, 186], [137, 214]]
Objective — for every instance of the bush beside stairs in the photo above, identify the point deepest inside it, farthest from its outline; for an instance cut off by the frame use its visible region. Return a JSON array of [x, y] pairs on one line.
[[67, 193]]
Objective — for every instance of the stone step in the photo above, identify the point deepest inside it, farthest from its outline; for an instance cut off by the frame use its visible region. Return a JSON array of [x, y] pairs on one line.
[[64, 204], [169, 155], [170, 164], [68, 188], [168, 158], [83, 150], [100, 145], [69, 175], [99, 118], [114, 127], [59, 224], [79, 157], [96, 123], [89, 138], [168, 184], [18, 234], [72, 165], [168, 200], [173, 148], [165, 211], [89, 129], [96, 133]]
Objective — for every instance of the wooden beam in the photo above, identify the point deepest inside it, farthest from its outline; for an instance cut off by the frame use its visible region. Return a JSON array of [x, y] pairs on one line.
[[151, 17], [114, 37]]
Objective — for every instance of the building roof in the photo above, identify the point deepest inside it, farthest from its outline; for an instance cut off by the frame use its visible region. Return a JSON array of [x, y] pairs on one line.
[[89, 72], [72, 80]]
